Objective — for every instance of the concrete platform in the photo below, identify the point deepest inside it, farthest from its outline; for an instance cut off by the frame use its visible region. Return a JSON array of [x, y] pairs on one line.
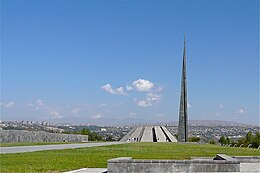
[[149, 134], [220, 163], [244, 168]]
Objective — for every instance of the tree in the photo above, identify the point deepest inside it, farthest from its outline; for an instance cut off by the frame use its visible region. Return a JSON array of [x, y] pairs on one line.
[[110, 138], [241, 141], [194, 139], [256, 140], [249, 137], [228, 140], [212, 141], [223, 140], [92, 136], [85, 131]]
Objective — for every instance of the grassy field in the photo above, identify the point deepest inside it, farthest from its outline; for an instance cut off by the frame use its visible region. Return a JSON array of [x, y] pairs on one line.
[[32, 143], [96, 157]]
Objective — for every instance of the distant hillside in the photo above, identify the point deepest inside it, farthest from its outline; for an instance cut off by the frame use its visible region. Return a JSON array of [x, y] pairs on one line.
[[212, 123]]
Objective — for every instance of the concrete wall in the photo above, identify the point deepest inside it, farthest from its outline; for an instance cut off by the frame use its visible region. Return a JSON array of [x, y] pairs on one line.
[[38, 136], [128, 165]]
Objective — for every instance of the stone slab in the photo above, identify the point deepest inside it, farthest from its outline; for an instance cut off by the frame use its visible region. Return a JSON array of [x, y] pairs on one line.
[[147, 135], [159, 134], [169, 134]]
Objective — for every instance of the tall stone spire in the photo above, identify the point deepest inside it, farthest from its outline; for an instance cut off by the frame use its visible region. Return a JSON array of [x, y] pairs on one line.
[[183, 112]]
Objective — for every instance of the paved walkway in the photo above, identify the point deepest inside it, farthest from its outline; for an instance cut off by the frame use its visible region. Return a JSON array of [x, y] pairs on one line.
[[22, 149], [89, 170]]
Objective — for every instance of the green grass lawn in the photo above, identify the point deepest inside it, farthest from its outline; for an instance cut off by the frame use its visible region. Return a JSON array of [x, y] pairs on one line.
[[96, 157], [33, 143]]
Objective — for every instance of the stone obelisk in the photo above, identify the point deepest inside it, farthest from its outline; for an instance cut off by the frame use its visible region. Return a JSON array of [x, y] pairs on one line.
[[183, 112]]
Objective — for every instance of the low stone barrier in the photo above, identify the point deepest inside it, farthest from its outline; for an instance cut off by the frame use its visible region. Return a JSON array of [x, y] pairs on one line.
[[38, 136], [247, 159], [128, 165]]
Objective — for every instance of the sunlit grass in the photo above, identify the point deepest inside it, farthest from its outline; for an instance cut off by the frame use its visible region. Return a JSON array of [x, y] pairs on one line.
[[96, 157]]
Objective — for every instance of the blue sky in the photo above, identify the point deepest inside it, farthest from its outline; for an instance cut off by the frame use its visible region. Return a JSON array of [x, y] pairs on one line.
[[109, 62]]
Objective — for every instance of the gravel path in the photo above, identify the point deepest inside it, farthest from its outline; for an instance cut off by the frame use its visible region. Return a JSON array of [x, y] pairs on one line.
[[22, 149]]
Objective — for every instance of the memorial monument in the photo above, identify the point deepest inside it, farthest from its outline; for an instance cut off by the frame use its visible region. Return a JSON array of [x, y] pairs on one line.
[[161, 133], [183, 112]]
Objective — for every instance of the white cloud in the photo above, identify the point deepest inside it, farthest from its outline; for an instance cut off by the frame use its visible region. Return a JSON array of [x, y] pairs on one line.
[[96, 116], [189, 106], [132, 115], [129, 88], [9, 105], [108, 88], [218, 113], [143, 85], [39, 104], [241, 111], [153, 97], [160, 115], [150, 100], [221, 106], [117, 91], [102, 105], [140, 85], [120, 104], [75, 111], [159, 89], [144, 103], [55, 114]]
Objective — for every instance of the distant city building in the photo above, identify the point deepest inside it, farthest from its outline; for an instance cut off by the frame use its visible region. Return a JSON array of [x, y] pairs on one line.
[[103, 130]]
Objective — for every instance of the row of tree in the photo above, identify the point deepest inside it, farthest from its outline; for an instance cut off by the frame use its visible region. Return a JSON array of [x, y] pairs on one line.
[[92, 136], [254, 140], [194, 139]]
